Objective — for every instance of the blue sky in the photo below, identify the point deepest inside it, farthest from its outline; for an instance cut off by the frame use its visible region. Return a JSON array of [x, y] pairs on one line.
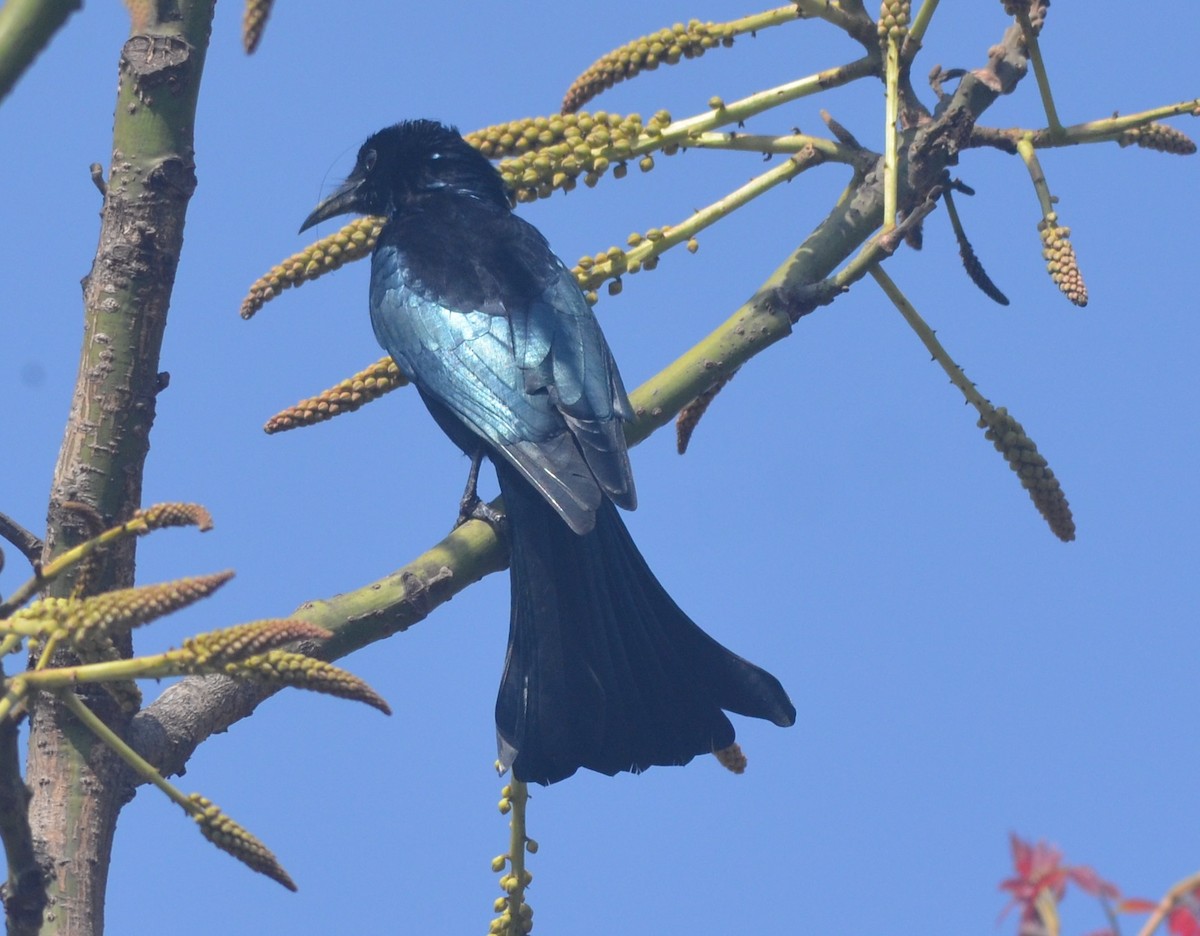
[[958, 672]]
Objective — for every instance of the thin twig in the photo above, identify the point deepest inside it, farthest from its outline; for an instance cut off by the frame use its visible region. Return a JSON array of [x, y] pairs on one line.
[[27, 543]]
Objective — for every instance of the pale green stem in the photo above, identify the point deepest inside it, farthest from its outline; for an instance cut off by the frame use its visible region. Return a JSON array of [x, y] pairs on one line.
[[1039, 71], [142, 767], [891, 181], [65, 560], [26, 26], [13, 696], [744, 108], [158, 666], [519, 798], [764, 20], [1095, 131], [1045, 199], [831, 150], [920, 23], [929, 339], [684, 231], [831, 13], [1167, 904]]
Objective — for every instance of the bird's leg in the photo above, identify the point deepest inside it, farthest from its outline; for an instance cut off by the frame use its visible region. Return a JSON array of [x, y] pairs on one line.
[[472, 507]]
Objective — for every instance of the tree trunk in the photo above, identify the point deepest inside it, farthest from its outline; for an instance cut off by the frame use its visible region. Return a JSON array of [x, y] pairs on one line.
[[78, 785]]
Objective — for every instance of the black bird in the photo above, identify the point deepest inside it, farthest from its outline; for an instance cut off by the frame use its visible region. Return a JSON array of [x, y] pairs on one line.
[[603, 669]]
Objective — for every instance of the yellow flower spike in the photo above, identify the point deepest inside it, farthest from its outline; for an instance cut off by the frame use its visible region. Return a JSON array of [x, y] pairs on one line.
[[499, 862], [231, 838], [283, 668], [84, 619], [1009, 438], [500, 903], [670, 45], [505, 805], [1160, 137], [216, 648], [894, 17], [253, 22], [158, 516], [368, 384], [314, 262], [1060, 259]]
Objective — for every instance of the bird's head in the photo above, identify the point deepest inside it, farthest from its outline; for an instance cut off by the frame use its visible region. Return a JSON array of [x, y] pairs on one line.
[[401, 165]]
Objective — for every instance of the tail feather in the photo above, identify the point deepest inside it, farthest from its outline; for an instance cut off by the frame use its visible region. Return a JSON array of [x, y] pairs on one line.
[[604, 670]]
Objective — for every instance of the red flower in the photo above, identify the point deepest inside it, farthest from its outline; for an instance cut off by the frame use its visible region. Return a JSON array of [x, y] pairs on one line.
[[1039, 868], [1184, 919]]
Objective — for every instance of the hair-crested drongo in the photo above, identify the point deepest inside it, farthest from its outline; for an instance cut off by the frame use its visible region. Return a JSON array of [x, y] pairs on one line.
[[603, 669]]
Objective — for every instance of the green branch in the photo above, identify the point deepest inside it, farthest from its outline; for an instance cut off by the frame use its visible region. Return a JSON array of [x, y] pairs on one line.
[[26, 27]]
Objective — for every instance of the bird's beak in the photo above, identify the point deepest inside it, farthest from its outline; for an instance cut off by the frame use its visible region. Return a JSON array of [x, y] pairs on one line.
[[343, 200]]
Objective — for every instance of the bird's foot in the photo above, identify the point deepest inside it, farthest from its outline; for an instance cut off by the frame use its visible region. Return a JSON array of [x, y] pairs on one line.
[[473, 507]]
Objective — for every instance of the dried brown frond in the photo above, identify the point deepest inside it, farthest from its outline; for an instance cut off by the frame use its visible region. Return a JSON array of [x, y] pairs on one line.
[[689, 416]]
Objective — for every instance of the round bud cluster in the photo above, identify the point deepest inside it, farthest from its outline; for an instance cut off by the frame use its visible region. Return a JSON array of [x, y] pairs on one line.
[[503, 924], [230, 837], [1160, 137], [253, 21], [665, 47], [893, 22], [354, 240], [369, 384], [548, 153], [1060, 259], [1009, 438]]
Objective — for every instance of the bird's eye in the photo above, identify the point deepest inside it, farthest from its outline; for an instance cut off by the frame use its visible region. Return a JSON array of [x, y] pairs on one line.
[[368, 160]]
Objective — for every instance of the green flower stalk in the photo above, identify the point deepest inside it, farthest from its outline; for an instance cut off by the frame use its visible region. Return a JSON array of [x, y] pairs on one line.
[[515, 916]]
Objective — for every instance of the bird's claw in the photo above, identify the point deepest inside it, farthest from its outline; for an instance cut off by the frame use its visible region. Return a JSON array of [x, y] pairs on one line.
[[476, 508]]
